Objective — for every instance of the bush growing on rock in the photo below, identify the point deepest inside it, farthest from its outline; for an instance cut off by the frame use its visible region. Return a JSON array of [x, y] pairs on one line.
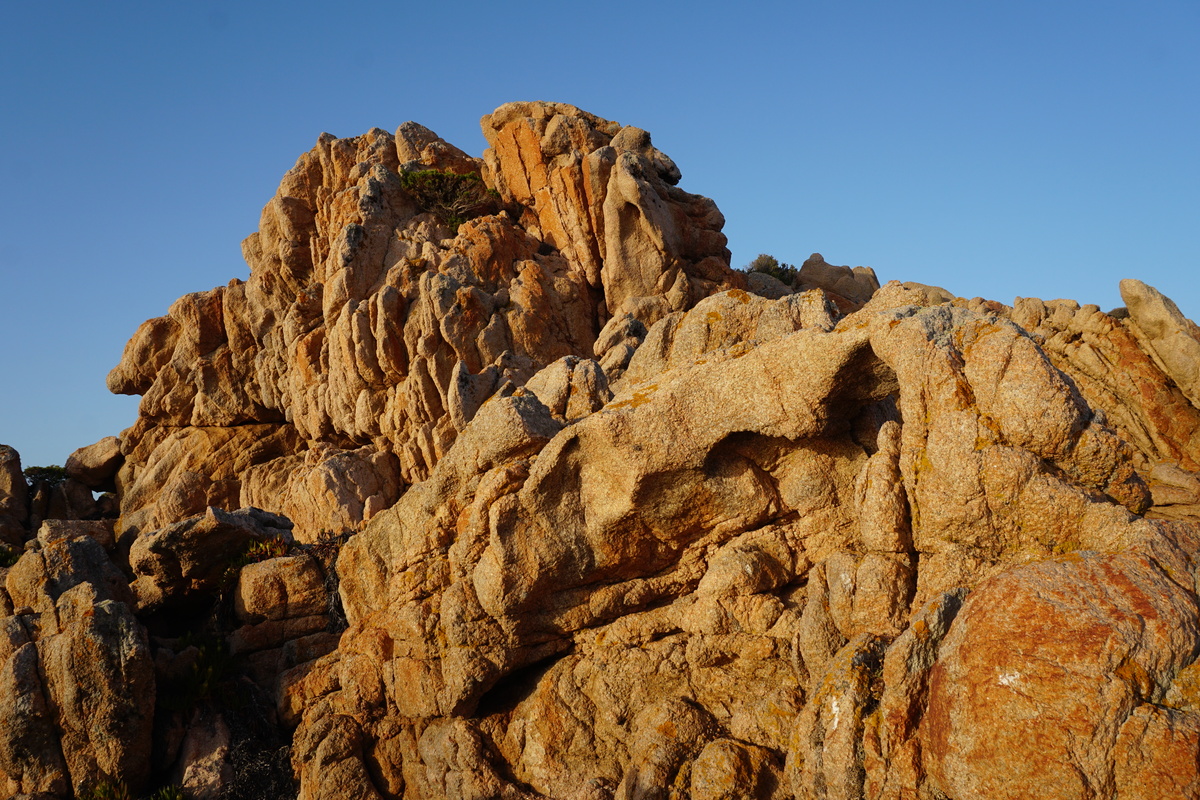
[[107, 790], [453, 197], [769, 265], [52, 474]]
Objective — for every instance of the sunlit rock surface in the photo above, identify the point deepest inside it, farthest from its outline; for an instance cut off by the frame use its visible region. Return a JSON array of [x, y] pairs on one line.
[[548, 502]]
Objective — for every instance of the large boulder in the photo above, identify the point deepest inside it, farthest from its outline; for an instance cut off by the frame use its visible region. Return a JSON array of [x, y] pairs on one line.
[[827, 497], [184, 562], [96, 465], [1039, 698], [780, 544], [75, 663], [1172, 339], [14, 492]]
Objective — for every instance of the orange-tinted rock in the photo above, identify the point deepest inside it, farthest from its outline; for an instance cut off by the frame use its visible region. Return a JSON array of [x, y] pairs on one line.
[[1155, 754], [280, 588], [606, 197], [726, 558], [182, 563], [96, 465], [78, 680], [1044, 665]]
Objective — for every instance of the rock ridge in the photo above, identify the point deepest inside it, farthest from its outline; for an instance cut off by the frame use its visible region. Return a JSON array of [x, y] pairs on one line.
[[551, 503]]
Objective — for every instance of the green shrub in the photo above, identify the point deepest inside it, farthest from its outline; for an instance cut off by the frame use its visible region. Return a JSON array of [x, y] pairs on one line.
[[110, 790], [204, 681], [769, 265], [256, 550], [453, 197], [9, 555], [263, 550], [53, 474], [105, 790]]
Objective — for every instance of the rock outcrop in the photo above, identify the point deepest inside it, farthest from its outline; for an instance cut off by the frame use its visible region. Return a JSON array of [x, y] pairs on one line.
[[550, 503], [369, 331], [765, 570]]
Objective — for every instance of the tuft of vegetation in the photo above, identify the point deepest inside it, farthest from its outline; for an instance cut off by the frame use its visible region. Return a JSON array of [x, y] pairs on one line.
[[260, 773], [769, 265], [263, 550], [9, 555], [325, 551], [52, 474], [256, 550], [105, 790], [115, 790], [171, 792], [452, 197]]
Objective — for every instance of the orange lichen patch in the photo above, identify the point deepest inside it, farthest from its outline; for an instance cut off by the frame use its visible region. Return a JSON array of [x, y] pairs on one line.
[[640, 398], [1135, 674], [712, 317], [740, 349], [740, 295], [1185, 691], [1065, 547]]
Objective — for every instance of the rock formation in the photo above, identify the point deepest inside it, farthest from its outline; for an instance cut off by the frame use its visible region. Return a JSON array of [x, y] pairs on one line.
[[552, 503]]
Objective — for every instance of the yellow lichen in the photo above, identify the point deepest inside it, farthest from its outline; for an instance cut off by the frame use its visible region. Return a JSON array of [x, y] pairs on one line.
[[640, 398]]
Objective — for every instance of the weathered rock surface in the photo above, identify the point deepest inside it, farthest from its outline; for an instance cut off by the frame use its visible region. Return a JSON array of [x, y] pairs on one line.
[[14, 498], [1113, 629], [75, 666], [607, 199], [617, 521], [822, 484], [851, 287], [371, 331], [1172, 339], [96, 465], [184, 561]]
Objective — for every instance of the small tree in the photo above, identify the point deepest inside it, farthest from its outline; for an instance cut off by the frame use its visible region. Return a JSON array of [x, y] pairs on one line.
[[769, 265], [453, 197], [53, 474]]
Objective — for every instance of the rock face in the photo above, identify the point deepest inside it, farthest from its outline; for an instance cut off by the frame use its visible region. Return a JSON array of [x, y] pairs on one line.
[[607, 199], [786, 575], [78, 679], [369, 332], [550, 503]]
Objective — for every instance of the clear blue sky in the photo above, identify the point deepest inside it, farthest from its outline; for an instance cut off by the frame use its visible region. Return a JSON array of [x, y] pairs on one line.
[[1024, 148]]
